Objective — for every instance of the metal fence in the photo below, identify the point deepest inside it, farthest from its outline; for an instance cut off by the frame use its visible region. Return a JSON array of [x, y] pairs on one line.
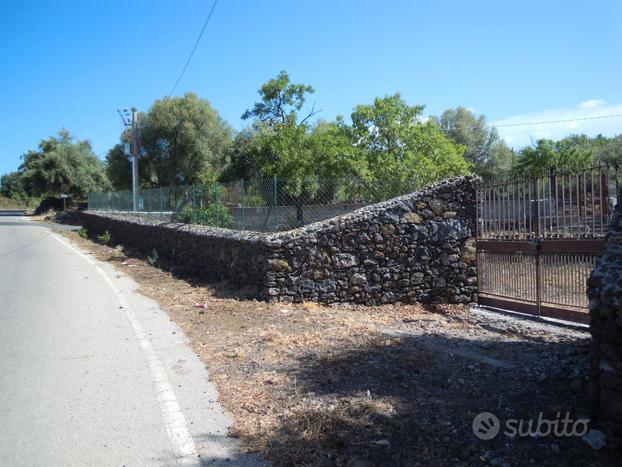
[[261, 204], [539, 238], [553, 205]]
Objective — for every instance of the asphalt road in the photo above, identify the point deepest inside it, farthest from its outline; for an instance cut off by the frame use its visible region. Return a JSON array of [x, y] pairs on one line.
[[91, 372]]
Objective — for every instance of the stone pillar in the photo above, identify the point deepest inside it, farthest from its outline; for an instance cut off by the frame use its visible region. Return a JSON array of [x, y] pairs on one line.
[[605, 295]]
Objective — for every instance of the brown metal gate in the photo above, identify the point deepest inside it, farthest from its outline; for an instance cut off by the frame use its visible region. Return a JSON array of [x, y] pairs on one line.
[[538, 240]]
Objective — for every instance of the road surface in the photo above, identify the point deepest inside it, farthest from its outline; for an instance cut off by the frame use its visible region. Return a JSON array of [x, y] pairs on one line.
[[91, 372]]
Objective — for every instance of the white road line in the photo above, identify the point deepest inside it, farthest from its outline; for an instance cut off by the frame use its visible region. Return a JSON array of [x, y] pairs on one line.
[[182, 443]]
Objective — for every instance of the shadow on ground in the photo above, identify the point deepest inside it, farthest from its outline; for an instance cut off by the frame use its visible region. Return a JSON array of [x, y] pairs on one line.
[[218, 288], [412, 401]]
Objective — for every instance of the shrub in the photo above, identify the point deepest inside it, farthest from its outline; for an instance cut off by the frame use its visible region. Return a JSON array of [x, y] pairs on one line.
[[83, 233], [215, 215]]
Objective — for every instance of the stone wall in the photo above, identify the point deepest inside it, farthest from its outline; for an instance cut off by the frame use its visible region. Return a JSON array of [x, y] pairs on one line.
[[415, 248], [208, 253], [605, 295]]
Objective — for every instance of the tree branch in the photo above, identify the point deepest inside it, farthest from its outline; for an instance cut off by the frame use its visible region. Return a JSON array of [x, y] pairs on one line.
[[311, 114]]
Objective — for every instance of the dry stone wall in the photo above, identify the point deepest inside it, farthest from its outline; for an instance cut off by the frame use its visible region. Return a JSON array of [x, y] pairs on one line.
[[416, 248], [605, 295]]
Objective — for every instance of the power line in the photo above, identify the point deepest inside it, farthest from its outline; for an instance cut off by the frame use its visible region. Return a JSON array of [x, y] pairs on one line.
[[194, 48], [547, 122], [52, 111]]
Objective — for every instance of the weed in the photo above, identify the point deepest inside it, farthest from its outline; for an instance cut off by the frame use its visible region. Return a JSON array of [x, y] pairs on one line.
[[104, 238], [83, 233], [153, 259]]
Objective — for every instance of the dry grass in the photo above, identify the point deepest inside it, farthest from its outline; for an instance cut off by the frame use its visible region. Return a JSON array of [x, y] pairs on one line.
[[9, 204], [46, 216]]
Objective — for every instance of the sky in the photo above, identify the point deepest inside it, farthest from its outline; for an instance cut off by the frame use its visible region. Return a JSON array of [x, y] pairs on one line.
[[72, 64]]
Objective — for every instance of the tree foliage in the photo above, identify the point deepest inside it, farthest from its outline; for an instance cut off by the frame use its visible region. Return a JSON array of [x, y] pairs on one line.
[[60, 164], [12, 186], [399, 145], [484, 148], [387, 150], [566, 155], [283, 144], [604, 150], [280, 102], [119, 168], [183, 141]]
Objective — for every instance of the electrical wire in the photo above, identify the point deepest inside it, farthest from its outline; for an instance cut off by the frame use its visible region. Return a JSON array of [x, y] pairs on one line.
[[18, 112], [194, 48], [544, 122], [548, 122]]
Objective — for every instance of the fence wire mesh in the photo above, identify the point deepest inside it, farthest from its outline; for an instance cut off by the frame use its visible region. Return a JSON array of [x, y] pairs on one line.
[[261, 204]]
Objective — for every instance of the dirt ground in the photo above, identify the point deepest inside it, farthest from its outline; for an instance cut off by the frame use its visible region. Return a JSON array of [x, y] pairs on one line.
[[390, 385]]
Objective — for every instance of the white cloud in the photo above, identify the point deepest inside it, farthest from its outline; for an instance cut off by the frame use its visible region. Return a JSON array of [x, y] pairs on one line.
[[567, 122], [592, 103]]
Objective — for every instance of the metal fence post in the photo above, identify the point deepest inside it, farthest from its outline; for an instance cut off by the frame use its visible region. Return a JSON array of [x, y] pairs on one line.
[[161, 201], [173, 202], [276, 208], [242, 203], [194, 201], [217, 204]]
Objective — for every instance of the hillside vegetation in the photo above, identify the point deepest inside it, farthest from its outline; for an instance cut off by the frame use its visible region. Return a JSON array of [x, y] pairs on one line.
[[8, 204]]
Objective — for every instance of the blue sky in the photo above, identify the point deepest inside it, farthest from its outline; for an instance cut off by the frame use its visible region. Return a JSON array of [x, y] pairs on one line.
[[73, 63]]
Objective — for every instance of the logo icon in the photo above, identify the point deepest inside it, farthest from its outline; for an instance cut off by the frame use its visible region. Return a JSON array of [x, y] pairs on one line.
[[486, 426]]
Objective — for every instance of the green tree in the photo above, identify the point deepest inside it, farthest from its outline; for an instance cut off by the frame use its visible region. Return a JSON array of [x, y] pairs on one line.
[[119, 168], [62, 164], [565, 155], [500, 162], [399, 146], [240, 162], [12, 186], [183, 141], [306, 159], [605, 150], [485, 149], [281, 100]]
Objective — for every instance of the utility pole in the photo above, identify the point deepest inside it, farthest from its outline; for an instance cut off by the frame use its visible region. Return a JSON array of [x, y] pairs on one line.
[[132, 150], [134, 160]]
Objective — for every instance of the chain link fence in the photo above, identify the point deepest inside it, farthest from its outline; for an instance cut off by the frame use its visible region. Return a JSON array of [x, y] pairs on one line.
[[261, 204]]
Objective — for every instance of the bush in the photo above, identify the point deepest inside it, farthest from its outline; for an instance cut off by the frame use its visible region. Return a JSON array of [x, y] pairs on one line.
[[215, 215], [83, 233]]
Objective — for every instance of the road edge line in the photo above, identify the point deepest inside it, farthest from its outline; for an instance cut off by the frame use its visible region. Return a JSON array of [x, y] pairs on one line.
[[175, 422]]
